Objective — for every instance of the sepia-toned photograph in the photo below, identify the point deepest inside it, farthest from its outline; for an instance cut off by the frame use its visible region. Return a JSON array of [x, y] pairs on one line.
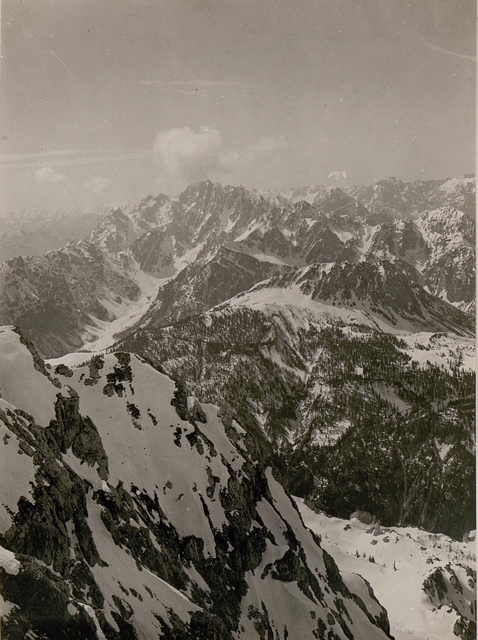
[[237, 320]]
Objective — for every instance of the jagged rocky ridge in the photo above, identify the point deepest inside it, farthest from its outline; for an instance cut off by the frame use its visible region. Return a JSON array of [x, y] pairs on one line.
[[129, 510], [299, 320], [387, 293], [231, 239], [53, 297], [392, 198]]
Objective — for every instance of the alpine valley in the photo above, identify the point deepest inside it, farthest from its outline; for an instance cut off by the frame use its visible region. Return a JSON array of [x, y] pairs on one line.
[[169, 381]]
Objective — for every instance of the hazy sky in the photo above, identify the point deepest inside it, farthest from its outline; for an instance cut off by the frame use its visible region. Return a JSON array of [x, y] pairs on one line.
[[110, 100]]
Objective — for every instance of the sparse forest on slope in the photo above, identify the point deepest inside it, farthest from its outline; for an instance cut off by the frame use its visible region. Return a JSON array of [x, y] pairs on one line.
[[355, 421]]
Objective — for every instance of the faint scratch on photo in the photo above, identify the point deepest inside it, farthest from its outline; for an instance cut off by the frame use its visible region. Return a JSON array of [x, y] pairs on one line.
[[58, 58]]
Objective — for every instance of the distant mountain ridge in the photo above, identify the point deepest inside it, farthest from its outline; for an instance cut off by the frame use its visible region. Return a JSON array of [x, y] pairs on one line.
[[34, 233], [225, 240], [391, 197]]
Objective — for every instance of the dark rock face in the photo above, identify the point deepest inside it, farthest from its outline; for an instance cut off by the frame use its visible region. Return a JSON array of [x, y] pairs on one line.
[[323, 245], [459, 284], [100, 538], [338, 205], [271, 243], [155, 253], [207, 283], [444, 588], [398, 240], [119, 229]]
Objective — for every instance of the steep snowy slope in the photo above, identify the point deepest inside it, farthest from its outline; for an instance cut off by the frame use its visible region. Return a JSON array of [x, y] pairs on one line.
[[426, 581], [139, 513]]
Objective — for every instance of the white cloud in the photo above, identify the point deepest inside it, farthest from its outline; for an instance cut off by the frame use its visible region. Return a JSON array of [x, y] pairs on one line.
[[46, 175], [187, 156], [98, 184]]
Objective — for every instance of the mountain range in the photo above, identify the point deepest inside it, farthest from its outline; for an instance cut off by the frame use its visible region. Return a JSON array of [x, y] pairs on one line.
[[214, 242], [174, 376], [391, 198]]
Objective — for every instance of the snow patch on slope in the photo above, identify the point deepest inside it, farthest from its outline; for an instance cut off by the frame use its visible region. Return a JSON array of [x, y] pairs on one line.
[[403, 558], [442, 349], [20, 383], [17, 471], [8, 562], [270, 299]]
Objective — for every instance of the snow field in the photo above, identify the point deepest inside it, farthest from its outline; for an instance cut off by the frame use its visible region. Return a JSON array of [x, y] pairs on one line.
[[442, 349], [35, 394], [403, 558], [154, 595]]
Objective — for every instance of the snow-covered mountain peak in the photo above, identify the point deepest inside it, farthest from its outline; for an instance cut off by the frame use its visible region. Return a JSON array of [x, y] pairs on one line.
[[446, 221], [456, 184]]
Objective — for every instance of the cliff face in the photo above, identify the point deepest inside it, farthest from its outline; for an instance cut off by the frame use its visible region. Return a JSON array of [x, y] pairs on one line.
[[134, 511]]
